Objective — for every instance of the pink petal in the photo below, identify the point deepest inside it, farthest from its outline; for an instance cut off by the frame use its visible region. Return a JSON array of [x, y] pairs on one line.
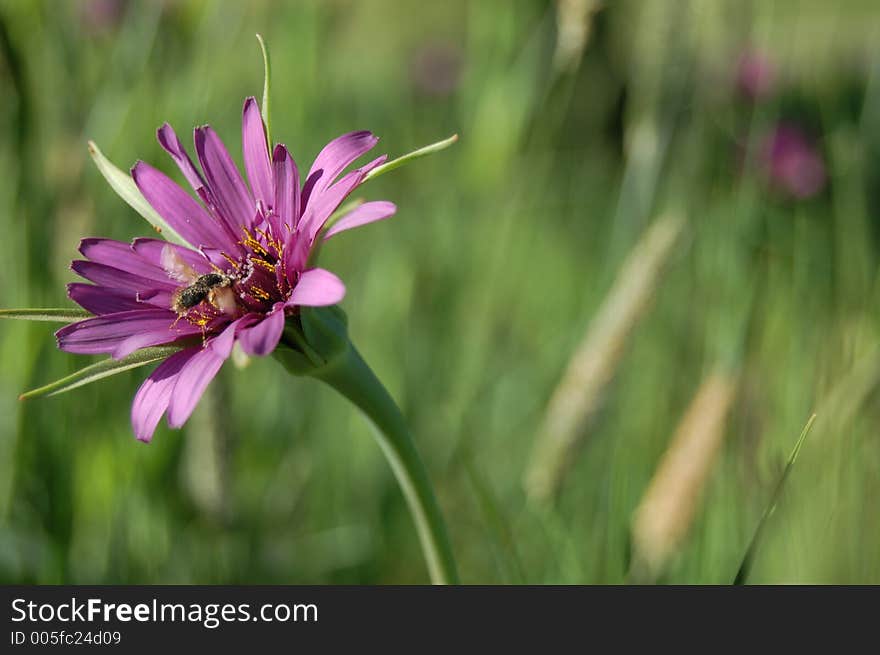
[[116, 278], [151, 250], [335, 157], [366, 213], [172, 145], [103, 334], [234, 201], [151, 400], [198, 372], [146, 338], [286, 187], [187, 217], [296, 254], [317, 287], [256, 154], [324, 204], [215, 256], [124, 257], [262, 338], [103, 300]]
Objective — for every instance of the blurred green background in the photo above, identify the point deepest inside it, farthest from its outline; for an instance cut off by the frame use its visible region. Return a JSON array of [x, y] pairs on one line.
[[580, 123]]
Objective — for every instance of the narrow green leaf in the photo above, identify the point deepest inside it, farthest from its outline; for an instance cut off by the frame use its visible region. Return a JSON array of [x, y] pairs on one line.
[[746, 566], [415, 154], [100, 370], [123, 185], [267, 82], [55, 315]]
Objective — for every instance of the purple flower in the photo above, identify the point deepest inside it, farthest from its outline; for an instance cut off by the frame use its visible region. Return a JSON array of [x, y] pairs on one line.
[[436, 69], [101, 16], [245, 272], [755, 76], [791, 162]]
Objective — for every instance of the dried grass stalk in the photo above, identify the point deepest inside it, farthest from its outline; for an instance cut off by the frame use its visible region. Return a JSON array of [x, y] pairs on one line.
[[667, 510], [579, 394]]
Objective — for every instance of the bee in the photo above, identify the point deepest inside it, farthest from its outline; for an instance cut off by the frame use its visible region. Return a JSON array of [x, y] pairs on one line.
[[213, 287], [202, 288]]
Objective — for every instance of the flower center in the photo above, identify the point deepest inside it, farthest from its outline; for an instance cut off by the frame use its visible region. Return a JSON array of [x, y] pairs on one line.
[[254, 282], [259, 279]]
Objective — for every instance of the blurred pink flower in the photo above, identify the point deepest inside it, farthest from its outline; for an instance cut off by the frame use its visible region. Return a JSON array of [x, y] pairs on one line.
[[436, 69], [755, 75], [101, 16], [792, 163]]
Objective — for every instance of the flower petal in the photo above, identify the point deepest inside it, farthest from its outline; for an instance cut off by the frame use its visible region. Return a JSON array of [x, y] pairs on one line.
[[262, 338], [287, 205], [146, 338], [103, 334], [296, 254], [366, 213], [103, 300], [198, 372], [325, 203], [180, 210], [172, 145], [335, 157], [122, 256], [317, 287], [151, 399], [151, 250], [116, 278], [234, 202], [256, 154]]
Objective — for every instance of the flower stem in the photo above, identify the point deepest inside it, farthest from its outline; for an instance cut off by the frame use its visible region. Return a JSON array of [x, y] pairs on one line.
[[351, 377]]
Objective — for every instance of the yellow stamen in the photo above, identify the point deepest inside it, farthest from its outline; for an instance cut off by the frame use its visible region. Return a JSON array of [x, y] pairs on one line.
[[266, 265], [230, 260], [259, 293]]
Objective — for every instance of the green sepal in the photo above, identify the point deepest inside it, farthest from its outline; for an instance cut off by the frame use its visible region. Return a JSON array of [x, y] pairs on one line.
[[267, 83], [325, 330], [124, 186], [100, 370], [54, 315], [294, 361], [313, 339], [410, 156]]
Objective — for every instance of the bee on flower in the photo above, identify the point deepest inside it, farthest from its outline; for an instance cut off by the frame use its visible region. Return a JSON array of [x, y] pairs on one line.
[[242, 271]]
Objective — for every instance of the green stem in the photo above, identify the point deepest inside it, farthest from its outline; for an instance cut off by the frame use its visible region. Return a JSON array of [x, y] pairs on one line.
[[350, 376]]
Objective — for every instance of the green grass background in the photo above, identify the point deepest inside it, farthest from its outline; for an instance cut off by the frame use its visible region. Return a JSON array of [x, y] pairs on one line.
[[470, 301]]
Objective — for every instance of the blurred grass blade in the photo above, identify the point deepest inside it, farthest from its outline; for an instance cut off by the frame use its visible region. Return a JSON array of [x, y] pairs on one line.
[[746, 566], [578, 396], [101, 370], [123, 185], [267, 82], [415, 154], [55, 315]]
